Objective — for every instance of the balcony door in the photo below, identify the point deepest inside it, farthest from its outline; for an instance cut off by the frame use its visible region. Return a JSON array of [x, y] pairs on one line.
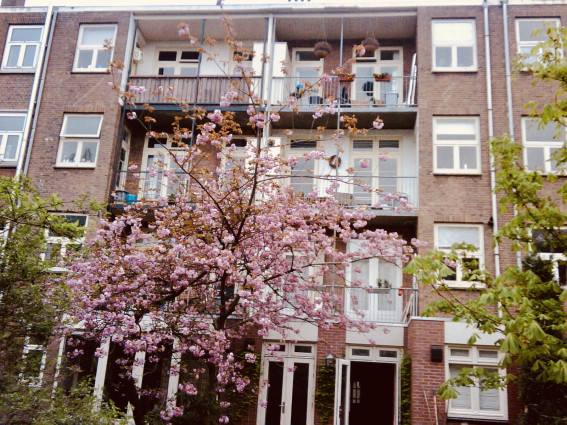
[[384, 60], [306, 71]]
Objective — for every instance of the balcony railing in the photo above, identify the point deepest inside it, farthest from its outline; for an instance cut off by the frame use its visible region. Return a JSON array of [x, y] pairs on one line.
[[362, 92], [394, 191]]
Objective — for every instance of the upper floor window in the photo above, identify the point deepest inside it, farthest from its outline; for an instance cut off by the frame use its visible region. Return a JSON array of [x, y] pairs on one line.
[[94, 48], [551, 249], [78, 146], [59, 247], [530, 32], [447, 235], [457, 145], [178, 62], [472, 401], [22, 47], [540, 143], [454, 45], [11, 133]]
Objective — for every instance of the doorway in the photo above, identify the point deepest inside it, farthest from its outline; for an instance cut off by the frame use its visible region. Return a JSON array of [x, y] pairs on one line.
[[372, 393]]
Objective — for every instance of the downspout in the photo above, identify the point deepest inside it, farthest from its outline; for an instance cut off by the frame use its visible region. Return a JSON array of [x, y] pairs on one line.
[[489, 107], [271, 38], [36, 92], [509, 92], [198, 79]]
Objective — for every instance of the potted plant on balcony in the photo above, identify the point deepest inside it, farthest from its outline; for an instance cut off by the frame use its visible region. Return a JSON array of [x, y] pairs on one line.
[[322, 49], [383, 286], [346, 77], [382, 76], [370, 44]]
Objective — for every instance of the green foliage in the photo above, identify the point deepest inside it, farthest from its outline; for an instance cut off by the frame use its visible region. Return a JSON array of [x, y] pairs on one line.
[[325, 394], [39, 406], [405, 392]]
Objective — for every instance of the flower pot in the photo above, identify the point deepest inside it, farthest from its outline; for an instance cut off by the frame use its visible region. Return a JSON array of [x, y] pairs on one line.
[[346, 78], [370, 44], [322, 49], [387, 77]]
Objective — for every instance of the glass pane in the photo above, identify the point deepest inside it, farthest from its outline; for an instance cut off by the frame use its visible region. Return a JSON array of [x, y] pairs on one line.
[[463, 400], [190, 55], [29, 56], [443, 57], [274, 397], [488, 354], [12, 122], [188, 70], [306, 55], [455, 129], [490, 399], [303, 349], [169, 70], [81, 125], [85, 58], [546, 133], [362, 144], [13, 56], [33, 364], [465, 56], [535, 158], [453, 32], [88, 153], [299, 395], [389, 55], [11, 151], [363, 177], [302, 176], [95, 35], [445, 157], [467, 158], [459, 352], [449, 235], [361, 271], [69, 152], [389, 144], [103, 59], [360, 352], [388, 353], [526, 29], [26, 34], [167, 56]]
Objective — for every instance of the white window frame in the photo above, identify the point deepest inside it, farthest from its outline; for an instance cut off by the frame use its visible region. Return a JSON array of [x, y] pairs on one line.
[[554, 257], [80, 139], [178, 64], [525, 46], [547, 146], [471, 360], [316, 65], [36, 381], [24, 45], [4, 136], [96, 48], [298, 152], [454, 45], [63, 242], [456, 144], [458, 282]]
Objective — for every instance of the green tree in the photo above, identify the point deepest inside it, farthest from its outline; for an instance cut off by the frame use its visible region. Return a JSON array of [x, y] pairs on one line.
[[526, 305]]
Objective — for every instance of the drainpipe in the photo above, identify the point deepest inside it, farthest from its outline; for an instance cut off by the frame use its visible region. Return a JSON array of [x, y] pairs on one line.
[[197, 81], [509, 91], [269, 70], [37, 90], [489, 106]]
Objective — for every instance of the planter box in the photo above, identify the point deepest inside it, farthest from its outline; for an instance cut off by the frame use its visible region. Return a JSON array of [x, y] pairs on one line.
[[387, 77]]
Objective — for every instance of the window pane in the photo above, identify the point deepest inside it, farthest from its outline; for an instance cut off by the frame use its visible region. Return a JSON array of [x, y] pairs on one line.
[[360, 352], [69, 152], [33, 363], [467, 158], [29, 56], [544, 134], [445, 157], [95, 36], [455, 129], [307, 55], [11, 150], [443, 57], [167, 56], [166, 71], [12, 123], [465, 56], [82, 125], [26, 34], [88, 153], [189, 56], [488, 354], [490, 399], [13, 56], [188, 70], [362, 144], [459, 352], [103, 59], [389, 55], [463, 400], [389, 144], [449, 235], [85, 58], [535, 157], [526, 29], [453, 32]]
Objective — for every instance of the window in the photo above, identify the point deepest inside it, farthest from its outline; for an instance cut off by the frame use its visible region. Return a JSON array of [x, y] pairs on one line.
[[94, 48], [306, 71], [530, 32], [178, 62], [454, 45], [540, 143], [34, 356], [78, 146], [11, 133], [471, 401], [22, 47], [548, 250], [58, 247], [446, 235], [303, 172], [456, 142]]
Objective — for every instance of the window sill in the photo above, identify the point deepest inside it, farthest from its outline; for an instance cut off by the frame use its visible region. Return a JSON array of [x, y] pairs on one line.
[[8, 164], [475, 173], [75, 166], [452, 70], [17, 71], [477, 417], [90, 71], [464, 285]]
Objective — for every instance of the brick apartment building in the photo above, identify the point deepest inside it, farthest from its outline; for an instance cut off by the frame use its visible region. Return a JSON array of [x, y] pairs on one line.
[[451, 89]]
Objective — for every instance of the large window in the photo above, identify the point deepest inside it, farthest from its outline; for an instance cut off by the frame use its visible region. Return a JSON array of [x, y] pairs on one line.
[[22, 47], [94, 48], [530, 32], [58, 247], [540, 143], [447, 235], [472, 401], [11, 133], [178, 62], [454, 45], [78, 146], [457, 145], [548, 250]]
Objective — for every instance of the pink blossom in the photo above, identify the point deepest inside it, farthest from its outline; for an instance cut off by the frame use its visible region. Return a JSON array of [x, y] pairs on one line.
[[383, 157], [378, 123], [131, 115], [363, 163], [292, 161], [184, 30], [215, 116], [274, 117]]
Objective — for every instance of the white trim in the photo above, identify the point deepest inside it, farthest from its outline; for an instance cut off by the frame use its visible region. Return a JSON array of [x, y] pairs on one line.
[[23, 47], [75, 159], [547, 146], [456, 144], [453, 45], [529, 44], [95, 48], [4, 135]]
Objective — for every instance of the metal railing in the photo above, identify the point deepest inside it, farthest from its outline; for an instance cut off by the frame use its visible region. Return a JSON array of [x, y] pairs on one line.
[[361, 92], [394, 191]]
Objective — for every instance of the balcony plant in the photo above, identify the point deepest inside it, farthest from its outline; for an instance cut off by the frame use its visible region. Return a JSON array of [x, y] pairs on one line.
[[370, 44], [382, 76], [322, 49], [346, 77]]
